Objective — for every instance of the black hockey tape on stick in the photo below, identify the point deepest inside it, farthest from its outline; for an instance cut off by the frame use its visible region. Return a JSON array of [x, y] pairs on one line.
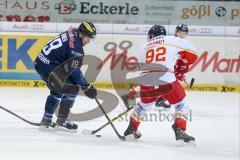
[[189, 86], [191, 83], [23, 119]]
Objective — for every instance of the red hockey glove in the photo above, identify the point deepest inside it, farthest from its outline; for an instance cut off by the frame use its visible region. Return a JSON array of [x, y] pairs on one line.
[[181, 67]]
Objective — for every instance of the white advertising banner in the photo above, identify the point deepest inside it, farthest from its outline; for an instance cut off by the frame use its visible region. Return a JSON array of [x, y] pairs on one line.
[[112, 57], [130, 29], [218, 62], [29, 27]]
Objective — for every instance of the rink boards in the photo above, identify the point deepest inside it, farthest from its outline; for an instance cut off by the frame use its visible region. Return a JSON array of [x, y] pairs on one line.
[[217, 68]]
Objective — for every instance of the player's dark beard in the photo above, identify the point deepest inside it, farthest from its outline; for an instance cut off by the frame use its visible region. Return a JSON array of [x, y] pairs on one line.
[[81, 41]]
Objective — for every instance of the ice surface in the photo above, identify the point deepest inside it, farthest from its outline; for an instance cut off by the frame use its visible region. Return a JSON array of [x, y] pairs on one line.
[[215, 125]]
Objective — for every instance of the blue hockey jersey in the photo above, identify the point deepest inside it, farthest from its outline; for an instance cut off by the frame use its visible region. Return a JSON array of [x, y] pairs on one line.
[[63, 47]]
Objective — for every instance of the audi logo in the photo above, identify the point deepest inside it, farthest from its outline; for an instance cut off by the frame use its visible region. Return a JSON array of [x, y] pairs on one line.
[[205, 30], [37, 27]]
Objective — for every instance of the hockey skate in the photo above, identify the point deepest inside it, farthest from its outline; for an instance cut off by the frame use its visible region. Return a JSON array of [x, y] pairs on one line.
[[181, 137], [161, 104], [46, 125], [66, 126], [132, 133]]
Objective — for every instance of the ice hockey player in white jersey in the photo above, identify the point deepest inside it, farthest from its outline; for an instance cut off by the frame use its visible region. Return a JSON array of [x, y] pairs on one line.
[[181, 31], [173, 55]]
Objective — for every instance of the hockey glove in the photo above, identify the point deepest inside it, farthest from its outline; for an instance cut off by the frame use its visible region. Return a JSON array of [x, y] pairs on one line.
[[90, 91], [181, 67]]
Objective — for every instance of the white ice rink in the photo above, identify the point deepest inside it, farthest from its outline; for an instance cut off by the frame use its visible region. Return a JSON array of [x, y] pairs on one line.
[[215, 125]]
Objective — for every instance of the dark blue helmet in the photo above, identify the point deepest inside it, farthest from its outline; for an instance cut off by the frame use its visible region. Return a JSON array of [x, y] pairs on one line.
[[156, 30], [182, 27]]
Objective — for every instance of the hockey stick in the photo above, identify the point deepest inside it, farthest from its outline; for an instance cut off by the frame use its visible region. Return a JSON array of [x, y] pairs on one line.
[[191, 82], [89, 132], [105, 114], [23, 119], [189, 86], [131, 86]]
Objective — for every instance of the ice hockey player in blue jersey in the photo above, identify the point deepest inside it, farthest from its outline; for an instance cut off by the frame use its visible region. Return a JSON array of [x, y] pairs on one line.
[[64, 48]]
